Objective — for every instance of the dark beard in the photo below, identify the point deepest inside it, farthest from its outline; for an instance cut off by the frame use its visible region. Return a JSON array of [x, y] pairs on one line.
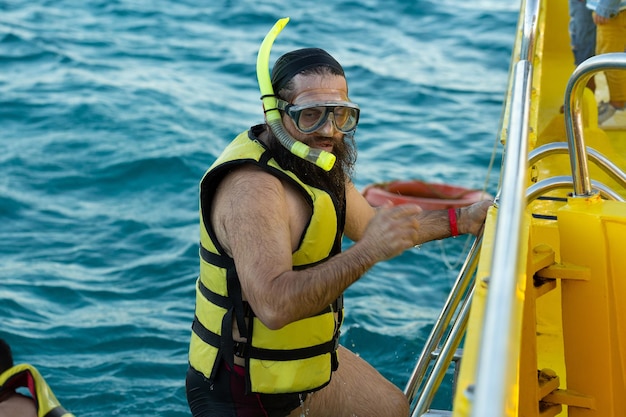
[[334, 181]]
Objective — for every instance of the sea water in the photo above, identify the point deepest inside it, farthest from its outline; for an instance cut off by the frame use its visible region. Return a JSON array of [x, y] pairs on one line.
[[111, 111]]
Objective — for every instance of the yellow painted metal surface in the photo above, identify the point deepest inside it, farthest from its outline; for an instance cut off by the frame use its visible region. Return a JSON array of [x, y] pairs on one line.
[[594, 312]]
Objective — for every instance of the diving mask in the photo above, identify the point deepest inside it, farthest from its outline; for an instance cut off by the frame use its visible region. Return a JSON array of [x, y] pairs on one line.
[[311, 116]]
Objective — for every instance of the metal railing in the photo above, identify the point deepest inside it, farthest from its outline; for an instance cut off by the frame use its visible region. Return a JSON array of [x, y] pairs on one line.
[[594, 156], [573, 116], [501, 334], [449, 329], [565, 182]]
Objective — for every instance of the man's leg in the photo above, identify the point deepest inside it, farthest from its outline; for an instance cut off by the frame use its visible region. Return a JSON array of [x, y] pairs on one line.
[[582, 31], [356, 390], [611, 38]]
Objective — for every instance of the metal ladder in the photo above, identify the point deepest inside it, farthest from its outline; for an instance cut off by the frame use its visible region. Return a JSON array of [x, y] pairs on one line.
[[442, 346]]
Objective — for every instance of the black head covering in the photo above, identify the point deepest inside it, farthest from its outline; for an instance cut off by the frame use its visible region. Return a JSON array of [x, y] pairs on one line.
[[6, 357], [294, 62]]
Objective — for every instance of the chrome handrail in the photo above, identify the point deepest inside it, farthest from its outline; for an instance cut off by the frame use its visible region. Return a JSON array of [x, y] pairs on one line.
[[565, 182], [445, 357], [501, 332], [529, 30], [573, 115], [604, 163], [456, 296]]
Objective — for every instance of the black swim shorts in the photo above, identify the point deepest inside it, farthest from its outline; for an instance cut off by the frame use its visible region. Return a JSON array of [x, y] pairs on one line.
[[226, 397]]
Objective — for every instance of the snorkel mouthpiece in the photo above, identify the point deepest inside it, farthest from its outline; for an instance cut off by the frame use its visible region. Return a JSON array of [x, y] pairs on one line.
[[322, 159]]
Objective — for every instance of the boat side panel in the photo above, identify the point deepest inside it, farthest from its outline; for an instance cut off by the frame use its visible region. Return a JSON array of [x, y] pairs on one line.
[[594, 311]]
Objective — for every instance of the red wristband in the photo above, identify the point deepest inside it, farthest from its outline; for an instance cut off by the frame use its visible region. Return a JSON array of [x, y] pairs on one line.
[[454, 231]]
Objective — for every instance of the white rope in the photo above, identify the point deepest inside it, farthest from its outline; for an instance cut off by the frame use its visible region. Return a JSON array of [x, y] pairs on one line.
[[460, 258]]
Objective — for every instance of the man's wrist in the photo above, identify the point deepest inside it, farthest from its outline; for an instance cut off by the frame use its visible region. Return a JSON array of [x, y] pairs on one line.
[[453, 217]]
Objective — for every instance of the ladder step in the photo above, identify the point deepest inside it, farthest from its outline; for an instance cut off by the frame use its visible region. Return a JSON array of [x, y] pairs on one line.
[[437, 413], [458, 354]]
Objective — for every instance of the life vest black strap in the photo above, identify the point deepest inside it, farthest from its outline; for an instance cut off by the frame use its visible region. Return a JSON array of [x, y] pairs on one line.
[[223, 344], [218, 300], [336, 307], [232, 285], [205, 334], [56, 412], [264, 159], [234, 290], [338, 304], [334, 361], [292, 354], [215, 259], [226, 345]]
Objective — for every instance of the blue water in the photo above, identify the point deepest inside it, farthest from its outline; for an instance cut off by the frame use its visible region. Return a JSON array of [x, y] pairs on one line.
[[110, 112]]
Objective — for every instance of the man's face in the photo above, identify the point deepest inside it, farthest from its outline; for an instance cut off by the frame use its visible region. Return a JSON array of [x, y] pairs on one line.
[[318, 89]]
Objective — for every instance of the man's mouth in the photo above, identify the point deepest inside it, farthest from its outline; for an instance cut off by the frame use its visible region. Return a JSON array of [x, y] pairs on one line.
[[324, 144]]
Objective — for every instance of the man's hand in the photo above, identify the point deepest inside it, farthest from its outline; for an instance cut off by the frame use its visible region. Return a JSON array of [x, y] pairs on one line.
[[391, 231], [472, 218]]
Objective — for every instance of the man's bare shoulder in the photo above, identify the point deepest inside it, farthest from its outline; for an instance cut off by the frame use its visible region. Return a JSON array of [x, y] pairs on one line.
[[248, 183], [18, 406], [248, 172], [246, 198]]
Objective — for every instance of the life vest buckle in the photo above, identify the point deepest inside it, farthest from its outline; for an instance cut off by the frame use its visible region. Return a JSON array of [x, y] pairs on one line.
[[240, 349]]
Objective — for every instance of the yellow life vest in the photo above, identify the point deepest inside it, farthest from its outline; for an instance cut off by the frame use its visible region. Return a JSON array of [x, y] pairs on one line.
[[27, 376], [299, 357]]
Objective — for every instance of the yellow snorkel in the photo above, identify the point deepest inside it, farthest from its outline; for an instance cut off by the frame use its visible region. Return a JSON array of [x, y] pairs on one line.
[[322, 159]]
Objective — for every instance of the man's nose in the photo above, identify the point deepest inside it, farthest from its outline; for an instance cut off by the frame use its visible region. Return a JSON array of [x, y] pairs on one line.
[[328, 128]]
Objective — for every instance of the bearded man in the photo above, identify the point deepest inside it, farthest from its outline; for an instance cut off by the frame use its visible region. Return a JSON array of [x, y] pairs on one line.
[[265, 339]]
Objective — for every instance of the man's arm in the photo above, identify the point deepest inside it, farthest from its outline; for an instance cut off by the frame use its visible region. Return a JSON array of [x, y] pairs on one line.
[[255, 221], [605, 10]]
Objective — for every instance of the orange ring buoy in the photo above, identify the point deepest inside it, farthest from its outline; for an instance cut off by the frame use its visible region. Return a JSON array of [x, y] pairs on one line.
[[429, 196]]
